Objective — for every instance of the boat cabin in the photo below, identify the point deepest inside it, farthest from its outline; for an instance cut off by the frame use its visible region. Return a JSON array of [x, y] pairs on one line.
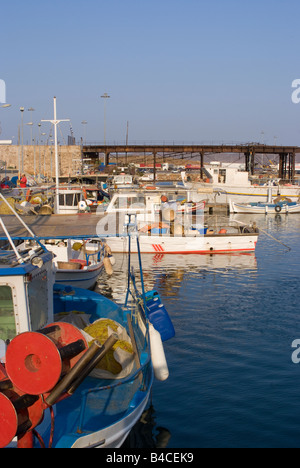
[[26, 293], [227, 175], [69, 200], [122, 180]]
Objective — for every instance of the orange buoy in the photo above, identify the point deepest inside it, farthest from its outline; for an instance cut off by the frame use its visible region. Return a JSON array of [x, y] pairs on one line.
[[28, 195]]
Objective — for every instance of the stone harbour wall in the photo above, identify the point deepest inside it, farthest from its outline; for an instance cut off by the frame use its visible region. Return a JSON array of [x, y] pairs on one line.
[[41, 159]]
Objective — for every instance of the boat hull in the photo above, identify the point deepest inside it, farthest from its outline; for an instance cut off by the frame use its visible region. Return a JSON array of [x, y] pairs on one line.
[[264, 209], [85, 279], [112, 436], [224, 243], [221, 193]]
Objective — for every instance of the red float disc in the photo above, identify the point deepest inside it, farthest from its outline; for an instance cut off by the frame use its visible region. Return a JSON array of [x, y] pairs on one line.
[[8, 421], [33, 363], [68, 334]]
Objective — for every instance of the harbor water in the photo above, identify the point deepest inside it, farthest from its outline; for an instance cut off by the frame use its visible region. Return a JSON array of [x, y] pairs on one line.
[[232, 380]]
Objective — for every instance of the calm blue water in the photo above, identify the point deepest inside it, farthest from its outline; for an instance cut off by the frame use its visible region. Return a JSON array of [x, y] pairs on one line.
[[232, 381]]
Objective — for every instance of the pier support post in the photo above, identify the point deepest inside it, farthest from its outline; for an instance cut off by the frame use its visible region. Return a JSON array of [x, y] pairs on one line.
[[250, 161], [106, 159], [292, 166], [201, 164], [282, 165]]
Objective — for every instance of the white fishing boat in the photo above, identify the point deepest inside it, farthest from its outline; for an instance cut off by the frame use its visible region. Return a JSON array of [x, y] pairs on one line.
[[74, 264], [226, 183], [175, 237], [147, 204], [281, 207], [212, 243], [56, 385], [277, 205]]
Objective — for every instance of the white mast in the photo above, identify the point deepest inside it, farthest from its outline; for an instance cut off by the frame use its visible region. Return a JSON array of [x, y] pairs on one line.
[[55, 122]]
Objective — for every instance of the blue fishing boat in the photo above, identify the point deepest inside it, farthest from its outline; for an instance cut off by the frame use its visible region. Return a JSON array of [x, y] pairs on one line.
[[76, 369]]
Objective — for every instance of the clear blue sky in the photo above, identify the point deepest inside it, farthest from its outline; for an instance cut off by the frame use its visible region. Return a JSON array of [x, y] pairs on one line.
[[177, 70]]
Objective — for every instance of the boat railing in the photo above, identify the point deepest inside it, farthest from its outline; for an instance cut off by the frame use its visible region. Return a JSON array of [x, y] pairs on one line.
[[139, 379], [118, 395]]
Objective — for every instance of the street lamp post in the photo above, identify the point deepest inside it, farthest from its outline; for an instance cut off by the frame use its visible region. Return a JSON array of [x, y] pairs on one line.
[[22, 141], [84, 123], [105, 97], [31, 109]]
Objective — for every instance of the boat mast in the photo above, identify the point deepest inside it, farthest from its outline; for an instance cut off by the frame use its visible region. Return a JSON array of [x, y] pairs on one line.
[[56, 122]]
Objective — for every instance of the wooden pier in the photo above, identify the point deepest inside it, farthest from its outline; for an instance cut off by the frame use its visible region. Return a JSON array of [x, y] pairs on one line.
[[286, 154]]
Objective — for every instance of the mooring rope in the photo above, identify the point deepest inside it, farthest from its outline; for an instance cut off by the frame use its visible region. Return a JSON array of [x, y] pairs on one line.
[[267, 234]]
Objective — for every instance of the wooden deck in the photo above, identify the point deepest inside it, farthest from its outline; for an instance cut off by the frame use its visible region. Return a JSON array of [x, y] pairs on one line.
[[55, 225]]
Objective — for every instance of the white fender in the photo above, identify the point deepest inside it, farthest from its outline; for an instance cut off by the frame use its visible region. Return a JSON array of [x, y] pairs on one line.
[[112, 260], [107, 265], [158, 357], [82, 205]]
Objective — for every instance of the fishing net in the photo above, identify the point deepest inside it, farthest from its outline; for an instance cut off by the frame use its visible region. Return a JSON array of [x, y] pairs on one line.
[[4, 209], [118, 362]]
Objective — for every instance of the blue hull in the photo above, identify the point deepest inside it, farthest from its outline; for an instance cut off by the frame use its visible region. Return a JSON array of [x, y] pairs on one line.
[[101, 412]]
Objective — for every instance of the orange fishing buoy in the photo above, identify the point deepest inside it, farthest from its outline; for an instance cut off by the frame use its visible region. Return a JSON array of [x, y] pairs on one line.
[[223, 231], [28, 195]]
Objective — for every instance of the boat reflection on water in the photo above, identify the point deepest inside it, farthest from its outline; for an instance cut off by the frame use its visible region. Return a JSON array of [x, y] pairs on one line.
[[167, 272], [145, 434]]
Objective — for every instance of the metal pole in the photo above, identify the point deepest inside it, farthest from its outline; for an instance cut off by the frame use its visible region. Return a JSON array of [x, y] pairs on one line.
[[39, 178], [55, 122], [56, 160], [105, 97], [22, 140]]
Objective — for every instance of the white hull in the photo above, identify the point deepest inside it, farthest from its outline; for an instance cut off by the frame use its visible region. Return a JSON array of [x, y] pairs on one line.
[[244, 208], [246, 194], [85, 279], [222, 243]]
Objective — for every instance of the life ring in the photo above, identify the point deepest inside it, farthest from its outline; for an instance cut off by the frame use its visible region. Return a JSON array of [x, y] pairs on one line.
[[278, 209]]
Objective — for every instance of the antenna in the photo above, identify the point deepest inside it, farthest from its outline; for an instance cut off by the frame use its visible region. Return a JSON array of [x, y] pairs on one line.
[[56, 122]]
